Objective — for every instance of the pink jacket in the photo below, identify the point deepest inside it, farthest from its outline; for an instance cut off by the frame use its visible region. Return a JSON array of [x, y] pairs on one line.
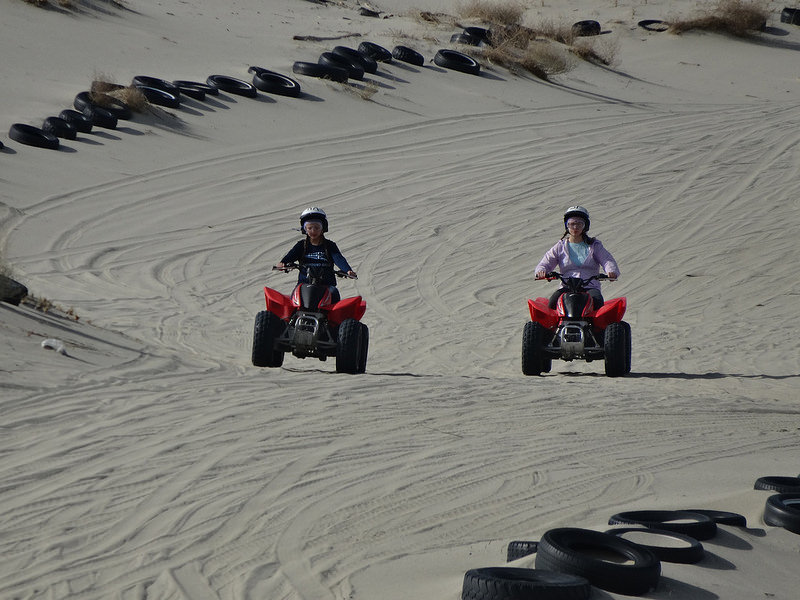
[[558, 256]]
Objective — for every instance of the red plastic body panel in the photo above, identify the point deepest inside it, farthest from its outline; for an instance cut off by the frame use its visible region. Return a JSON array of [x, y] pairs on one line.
[[349, 308], [542, 313], [279, 304], [611, 312], [284, 306]]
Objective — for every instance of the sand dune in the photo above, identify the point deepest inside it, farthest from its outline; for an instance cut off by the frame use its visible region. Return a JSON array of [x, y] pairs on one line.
[[153, 461]]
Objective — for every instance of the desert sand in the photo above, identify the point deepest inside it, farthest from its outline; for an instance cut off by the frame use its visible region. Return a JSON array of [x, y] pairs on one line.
[[152, 460]]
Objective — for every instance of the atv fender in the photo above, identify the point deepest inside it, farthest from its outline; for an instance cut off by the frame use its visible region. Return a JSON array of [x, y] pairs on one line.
[[349, 308], [611, 312], [542, 313], [279, 304]]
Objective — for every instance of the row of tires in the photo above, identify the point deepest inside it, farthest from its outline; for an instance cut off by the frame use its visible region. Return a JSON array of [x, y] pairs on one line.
[[625, 559], [781, 509], [99, 109]]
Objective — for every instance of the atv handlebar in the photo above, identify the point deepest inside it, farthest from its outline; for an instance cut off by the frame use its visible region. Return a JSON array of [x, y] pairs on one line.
[[292, 266], [556, 275]]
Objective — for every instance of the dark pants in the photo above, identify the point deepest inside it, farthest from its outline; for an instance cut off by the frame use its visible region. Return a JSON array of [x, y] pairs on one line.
[[597, 297]]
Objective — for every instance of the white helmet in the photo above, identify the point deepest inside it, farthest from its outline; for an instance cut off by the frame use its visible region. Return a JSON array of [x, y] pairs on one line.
[[314, 214], [579, 212]]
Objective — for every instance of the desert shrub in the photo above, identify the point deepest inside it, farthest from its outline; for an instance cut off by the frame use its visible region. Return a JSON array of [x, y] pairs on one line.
[[541, 58], [498, 13], [601, 50], [102, 88], [736, 17]]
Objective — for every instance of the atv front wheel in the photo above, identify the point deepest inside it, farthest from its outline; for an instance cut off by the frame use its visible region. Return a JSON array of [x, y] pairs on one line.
[[350, 349], [533, 359], [617, 349], [268, 326]]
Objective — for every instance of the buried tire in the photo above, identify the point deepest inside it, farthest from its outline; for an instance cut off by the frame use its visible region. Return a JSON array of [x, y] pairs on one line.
[[689, 550], [80, 121], [408, 55], [319, 71], [375, 52], [518, 549], [274, 83], [578, 552], [783, 510], [457, 61], [232, 85], [32, 136], [60, 128], [268, 327], [513, 583], [696, 525], [782, 485], [586, 28]]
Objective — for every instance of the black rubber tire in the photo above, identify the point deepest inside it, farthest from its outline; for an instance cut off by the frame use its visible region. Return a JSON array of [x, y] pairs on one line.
[[115, 106], [783, 510], [159, 96], [310, 69], [268, 326], [628, 345], [576, 551], [463, 38], [408, 55], [159, 84], [514, 583], [210, 90], [274, 83], [375, 51], [653, 25], [32, 136], [696, 525], [457, 61], [232, 85], [192, 92], [532, 357], [364, 350], [782, 485], [369, 64], [722, 517], [616, 349], [80, 121], [586, 28], [61, 128], [518, 549], [691, 552], [348, 347], [354, 70], [790, 15], [101, 117], [480, 33]]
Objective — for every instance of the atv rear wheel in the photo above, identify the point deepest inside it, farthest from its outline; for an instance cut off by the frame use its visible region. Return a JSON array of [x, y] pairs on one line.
[[617, 349], [350, 350], [268, 326], [533, 359], [362, 361]]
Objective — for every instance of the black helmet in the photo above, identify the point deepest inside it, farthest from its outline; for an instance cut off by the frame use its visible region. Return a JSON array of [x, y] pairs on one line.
[[314, 214], [579, 212]]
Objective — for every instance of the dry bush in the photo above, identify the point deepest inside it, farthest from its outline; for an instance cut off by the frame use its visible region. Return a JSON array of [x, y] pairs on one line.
[[364, 91], [497, 13], [102, 90], [599, 50], [541, 58], [736, 17]]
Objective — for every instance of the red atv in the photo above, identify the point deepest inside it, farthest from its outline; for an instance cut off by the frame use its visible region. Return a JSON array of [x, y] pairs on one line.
[[311, 323], [575, 329]]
